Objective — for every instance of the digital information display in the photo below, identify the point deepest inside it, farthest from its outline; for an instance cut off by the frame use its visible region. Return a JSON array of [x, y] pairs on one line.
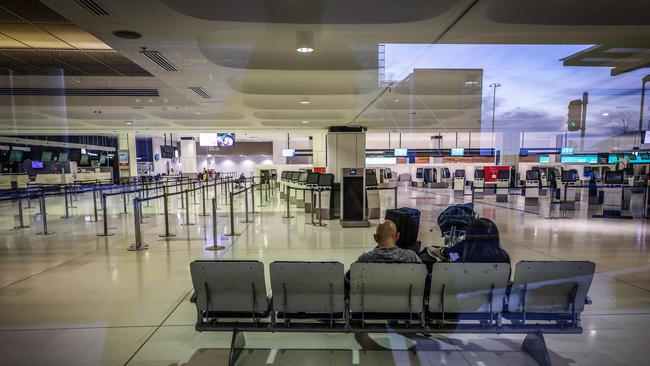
[[458, 152], [287, 153], [401, 152]]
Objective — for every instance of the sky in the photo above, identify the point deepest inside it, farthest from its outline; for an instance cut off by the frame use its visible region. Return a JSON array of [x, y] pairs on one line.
[[535, 87]]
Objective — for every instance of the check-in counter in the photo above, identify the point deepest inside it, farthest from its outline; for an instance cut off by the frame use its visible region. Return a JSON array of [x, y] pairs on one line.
[[325, 208], [14, 181], [372, 195], [531, 194]]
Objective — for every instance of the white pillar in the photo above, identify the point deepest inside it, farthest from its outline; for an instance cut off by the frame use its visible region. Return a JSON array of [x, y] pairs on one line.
[[188, 156], [126, 143], [510, 145], [319, 148], [345, 150]]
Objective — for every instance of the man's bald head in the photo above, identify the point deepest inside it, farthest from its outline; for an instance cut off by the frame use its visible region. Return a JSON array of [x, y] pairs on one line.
[[387, 234]]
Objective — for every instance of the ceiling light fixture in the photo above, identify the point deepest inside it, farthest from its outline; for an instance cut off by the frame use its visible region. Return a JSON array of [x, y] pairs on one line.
[[304, 41], [305, 121], [605, 114], [305, 101], [396, 100], [127, 34], [128, 123]]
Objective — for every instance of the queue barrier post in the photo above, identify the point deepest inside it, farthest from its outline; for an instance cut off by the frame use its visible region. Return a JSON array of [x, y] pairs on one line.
[[95, 202], [320, 209], [43, 215], [137, 212], [395, 200], [215, 240], [105, 217], [65, 195], [203, 198], [246, 220], [187, 209], [288, 215], [21, 221], [232, 218]]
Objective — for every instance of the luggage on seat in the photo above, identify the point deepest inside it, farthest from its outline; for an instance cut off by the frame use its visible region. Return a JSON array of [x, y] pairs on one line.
[[407, 221]]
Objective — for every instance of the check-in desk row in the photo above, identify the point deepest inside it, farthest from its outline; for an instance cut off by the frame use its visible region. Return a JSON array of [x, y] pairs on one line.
[[326, 193], [300, 186]]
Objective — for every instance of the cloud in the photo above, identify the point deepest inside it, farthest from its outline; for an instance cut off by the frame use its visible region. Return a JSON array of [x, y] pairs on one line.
[[522, 119]]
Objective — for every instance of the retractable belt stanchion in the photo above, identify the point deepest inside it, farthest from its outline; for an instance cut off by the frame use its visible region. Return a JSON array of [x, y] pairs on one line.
[[395, 197], [105, 217], [320, 209], [124, 199], [313, 223], [564, 203], [187, 209], [194, 192], [95, 202], [167, 234], [246, 220], [215, 242], [21, 221], [253, 197], [43, 215], [137, 213], [65, 195], [203, 199], [288, 216], [232, 218]]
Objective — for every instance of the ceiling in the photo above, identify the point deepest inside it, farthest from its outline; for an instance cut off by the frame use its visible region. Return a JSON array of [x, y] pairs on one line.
[[212, 65]]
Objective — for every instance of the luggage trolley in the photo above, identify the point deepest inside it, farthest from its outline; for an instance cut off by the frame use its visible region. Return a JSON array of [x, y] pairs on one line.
[[531, 193], [372, 195]]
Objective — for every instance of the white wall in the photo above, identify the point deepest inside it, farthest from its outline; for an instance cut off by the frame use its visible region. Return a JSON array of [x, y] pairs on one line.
[[236, 164]]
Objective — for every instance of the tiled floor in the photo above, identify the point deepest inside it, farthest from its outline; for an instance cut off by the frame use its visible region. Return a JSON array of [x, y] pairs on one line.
[[74, 298]]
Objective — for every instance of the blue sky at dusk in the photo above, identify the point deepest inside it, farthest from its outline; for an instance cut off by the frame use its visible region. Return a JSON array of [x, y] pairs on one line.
[[536, 87]]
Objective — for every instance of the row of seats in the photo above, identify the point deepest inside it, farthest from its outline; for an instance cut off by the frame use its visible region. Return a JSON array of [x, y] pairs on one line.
[[541, 290]]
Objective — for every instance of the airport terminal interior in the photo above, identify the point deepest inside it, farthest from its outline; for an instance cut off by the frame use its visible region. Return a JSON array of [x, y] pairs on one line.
[[324, 182]]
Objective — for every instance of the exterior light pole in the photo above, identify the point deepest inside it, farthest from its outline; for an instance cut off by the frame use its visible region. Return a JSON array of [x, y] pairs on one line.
[[494, 87], [645, 80]]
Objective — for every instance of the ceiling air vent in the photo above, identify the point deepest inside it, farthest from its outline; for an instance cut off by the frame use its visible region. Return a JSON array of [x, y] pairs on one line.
[[79, 92], [159, 60], [201, 92], [92, 7]]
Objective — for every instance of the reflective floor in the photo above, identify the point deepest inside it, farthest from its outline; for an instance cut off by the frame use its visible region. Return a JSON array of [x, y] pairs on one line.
[[75, 298]]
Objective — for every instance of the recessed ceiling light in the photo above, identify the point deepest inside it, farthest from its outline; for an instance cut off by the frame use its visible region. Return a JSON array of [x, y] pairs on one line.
[[304, 41], [198, 113], [305, 121], [605, 114], [128, 123], [305, 101], [127, 34], [396, 100]]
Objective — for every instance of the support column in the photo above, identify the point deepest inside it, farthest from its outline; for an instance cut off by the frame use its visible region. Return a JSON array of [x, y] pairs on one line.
[[319, 148], [345, 150], [510, 145], [188, 156], [126, 149]]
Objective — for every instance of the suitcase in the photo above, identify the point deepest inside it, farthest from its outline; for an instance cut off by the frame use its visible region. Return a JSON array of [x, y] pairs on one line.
[[407, 221]]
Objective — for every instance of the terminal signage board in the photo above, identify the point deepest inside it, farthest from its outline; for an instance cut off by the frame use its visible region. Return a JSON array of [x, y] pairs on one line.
[[567, 151], [123, 159]]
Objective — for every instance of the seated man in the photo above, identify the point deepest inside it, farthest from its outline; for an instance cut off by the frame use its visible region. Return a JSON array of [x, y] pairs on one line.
[[387, 250]]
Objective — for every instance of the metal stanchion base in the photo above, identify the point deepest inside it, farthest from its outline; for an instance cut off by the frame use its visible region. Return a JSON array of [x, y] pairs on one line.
[[45, 233], [134, 247], [288, 217], [232, 234], [189, 224], [167, 236], [20, 227], [65, 217], [246, 221], [202, 215], [215, 247], [109, 234]]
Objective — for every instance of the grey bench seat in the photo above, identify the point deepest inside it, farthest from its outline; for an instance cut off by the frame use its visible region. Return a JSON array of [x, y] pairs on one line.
[[545, 298]]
